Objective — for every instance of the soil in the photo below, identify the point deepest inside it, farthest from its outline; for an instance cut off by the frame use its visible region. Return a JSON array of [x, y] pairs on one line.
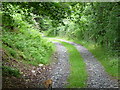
[[34, 76]]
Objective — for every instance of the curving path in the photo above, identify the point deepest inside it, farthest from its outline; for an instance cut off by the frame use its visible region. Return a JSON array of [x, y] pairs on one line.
[[98, 78]]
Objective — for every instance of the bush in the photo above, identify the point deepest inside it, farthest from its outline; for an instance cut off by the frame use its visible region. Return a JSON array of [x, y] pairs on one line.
[[21, 39]]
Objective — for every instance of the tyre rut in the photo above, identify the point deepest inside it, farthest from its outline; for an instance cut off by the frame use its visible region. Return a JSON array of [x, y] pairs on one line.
[[97, 77], [60, 66]]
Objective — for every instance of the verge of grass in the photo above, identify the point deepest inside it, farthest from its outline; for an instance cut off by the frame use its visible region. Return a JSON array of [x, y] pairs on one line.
[[78, 75], [104, 56]]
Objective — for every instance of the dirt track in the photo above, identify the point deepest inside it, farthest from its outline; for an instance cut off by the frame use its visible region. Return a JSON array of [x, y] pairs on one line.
[[98, 78]]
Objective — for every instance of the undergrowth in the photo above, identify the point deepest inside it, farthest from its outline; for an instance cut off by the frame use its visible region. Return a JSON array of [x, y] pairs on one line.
[[32, 50], [8, 71], [21, 39]]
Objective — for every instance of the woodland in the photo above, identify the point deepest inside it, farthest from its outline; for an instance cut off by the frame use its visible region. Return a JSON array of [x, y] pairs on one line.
[[28, 29]]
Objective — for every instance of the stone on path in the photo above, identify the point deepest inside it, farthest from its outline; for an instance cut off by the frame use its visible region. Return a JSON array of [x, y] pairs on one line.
[[97, 77]]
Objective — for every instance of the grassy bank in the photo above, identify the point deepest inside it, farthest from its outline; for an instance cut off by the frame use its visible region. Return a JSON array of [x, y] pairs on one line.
[[32, 50]]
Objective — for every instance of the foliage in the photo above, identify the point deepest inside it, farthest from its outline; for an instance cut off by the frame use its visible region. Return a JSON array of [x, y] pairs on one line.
[[21, 38], [97, 22], [8, 71], [88, 23]]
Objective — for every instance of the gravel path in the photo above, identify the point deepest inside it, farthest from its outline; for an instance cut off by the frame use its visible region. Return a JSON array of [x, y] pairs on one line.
[[60, 67], [98, 78]]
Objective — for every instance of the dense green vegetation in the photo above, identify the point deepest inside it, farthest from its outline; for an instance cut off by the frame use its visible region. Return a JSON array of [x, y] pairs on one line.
[[94, 25], [8, 71], [21, 38], [96, 22]]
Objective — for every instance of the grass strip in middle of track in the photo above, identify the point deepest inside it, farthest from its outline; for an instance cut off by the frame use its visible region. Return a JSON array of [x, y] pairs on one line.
[[78, 73]]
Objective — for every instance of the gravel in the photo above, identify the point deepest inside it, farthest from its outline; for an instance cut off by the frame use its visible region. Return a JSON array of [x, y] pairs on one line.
[[60, 67], [35, 76], [58, 71], [97, 77]]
